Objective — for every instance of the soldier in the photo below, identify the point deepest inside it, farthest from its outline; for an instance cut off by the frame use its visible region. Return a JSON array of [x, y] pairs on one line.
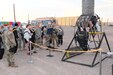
[[38, 34], [27, 37], [32, 39], [16, 36], [43, 29], [9, 45], [21, 38], [48, 36], [1, 44], [60, 35], [54, 38]]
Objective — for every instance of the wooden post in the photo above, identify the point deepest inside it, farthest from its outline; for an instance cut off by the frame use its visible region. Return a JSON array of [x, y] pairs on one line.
[[28, 19]]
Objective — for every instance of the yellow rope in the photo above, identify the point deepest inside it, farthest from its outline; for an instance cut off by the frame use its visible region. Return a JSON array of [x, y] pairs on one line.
[[77, 51], [68, 51], [67, 54], [95, 32]]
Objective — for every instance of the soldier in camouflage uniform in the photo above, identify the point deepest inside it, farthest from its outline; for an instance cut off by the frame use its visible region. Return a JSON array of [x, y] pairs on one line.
[[9, 44], [54, 38]]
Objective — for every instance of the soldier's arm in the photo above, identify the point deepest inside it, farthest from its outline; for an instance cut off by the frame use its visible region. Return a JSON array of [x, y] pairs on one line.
[[11, 38]]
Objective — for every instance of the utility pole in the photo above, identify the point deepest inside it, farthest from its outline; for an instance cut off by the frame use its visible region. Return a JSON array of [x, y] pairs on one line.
[[2, 18], [107, 21], [14, 12], [28, 19]]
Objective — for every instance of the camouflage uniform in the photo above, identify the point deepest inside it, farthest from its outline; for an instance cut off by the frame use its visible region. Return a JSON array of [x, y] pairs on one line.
[[20, 39], [9, 42], [60, 34], [54, 37], [38, 35]]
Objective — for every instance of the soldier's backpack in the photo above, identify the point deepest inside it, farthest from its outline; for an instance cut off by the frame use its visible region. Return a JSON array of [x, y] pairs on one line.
[[50, 31]]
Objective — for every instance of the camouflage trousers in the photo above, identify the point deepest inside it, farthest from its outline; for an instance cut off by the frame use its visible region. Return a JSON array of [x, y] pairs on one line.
[[10, 57], [38, 40], [51, 41], [54, 41], [21, 44]]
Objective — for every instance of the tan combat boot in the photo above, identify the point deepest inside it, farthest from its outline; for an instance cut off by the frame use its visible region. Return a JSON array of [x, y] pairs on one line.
[[9, 64], [13, 65]]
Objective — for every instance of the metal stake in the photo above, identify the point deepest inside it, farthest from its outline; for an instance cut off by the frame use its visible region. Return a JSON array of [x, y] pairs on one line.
[[100, 70], [49, 55], [30, 58]]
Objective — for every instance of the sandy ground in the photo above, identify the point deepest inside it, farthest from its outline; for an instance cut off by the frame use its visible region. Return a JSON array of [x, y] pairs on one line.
[[43, 65]]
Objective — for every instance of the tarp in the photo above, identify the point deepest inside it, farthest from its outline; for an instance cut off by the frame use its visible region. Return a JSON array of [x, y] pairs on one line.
[[10, 23], [0, 23]]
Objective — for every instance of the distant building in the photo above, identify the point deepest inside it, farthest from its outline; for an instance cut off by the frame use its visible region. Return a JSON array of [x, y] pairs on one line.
[[45, 21], [62, 21], [66, 21]]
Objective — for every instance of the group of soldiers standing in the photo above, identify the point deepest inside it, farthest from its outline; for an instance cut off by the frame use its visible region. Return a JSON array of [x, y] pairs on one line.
[[17, 38]]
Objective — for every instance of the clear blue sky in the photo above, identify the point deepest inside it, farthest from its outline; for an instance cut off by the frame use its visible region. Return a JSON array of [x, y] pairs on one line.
[[51, 8]]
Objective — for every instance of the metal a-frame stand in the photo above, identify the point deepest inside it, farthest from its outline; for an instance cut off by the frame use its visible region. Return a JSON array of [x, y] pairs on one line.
[[68, 55]]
